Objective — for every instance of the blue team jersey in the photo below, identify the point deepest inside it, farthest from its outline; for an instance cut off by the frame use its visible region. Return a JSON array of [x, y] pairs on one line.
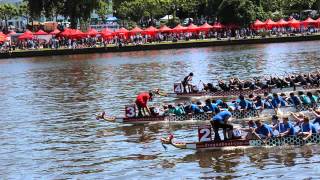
[[295, 101], [196, 109], [221, 116], [258, 104], [264, 130], [306, 127], [317, 120], [284, 127], [276, 101]]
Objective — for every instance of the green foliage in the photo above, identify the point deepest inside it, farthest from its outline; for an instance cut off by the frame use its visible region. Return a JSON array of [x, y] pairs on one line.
[[237, 11], [8, 11]]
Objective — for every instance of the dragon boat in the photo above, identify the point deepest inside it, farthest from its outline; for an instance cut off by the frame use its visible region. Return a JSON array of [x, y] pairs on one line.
[[206, 143], [131, 117], [178, 92]]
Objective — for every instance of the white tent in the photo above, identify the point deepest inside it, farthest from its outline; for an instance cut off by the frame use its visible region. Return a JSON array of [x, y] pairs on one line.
[[166, 17]]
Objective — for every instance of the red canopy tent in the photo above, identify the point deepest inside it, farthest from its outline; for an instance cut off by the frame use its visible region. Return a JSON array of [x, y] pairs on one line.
[[150, 30], [55, 32], [217, 25], [66, 32], [106, 33], [318, 22], [92, 32], [40, 32], [11, 33], [3, 37], [309, 22], [270, 24], [294, 23], [192, 28], [76, 33], [282, 23], [165, 29], [179, 29], [258, 25], [121, 31], [26, 35], [205, 27], [136, 30]]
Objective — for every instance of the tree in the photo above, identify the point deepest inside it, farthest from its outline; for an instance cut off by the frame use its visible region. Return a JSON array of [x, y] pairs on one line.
[[7, 11], [103, 9], [241, 12]]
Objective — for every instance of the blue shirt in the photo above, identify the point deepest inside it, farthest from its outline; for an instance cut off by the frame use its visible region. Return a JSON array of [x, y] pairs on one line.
[[317, 120], [284, 127], [221, 116], [268, 105], [258, 104], [295, 101], [196, 109], [243, 104], [306, 127], [278, 101], [264, 130], [213, 108]]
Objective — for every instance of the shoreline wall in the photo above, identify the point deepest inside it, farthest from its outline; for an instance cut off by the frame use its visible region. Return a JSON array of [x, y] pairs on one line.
[[160, 46]]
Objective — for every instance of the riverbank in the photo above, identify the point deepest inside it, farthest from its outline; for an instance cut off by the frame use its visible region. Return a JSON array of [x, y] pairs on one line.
[[157, 46]]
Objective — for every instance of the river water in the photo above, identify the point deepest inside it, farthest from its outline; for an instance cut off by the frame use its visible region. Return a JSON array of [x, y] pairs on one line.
[[48, 129]]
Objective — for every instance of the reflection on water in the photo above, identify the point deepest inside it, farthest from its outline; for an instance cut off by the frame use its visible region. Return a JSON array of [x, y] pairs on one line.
[[48, 128]]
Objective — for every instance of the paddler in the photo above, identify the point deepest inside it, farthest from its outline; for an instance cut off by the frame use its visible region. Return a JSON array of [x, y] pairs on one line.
[[141, 102], [187, 83], [263, 131], [220, 120], [307, 129], [285, 128]]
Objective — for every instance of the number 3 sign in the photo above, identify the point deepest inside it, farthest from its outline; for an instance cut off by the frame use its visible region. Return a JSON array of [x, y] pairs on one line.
[[204, 133], [130, 111]]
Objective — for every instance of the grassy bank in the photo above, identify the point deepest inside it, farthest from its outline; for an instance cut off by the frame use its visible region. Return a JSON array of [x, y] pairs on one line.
[[157, 46]]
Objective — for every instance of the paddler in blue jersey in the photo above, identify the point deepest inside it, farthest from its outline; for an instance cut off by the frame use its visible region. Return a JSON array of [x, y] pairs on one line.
[[211, 107], [220, 120], [294, 100], [285, 128], [277, 101], [307, 129], [263, 131]]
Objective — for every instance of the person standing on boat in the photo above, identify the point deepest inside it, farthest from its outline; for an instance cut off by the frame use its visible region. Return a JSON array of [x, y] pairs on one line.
[[263, 131], [187, 83], [220, 120], [141, 102], [307, 129]]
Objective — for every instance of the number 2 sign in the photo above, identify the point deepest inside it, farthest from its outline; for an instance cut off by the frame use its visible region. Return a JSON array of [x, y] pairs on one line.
[[130, 111], [204, 133]]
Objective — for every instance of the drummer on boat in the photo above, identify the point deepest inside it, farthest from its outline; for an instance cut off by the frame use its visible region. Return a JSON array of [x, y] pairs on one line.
[[220, 120], [142, 101], [186, 83]]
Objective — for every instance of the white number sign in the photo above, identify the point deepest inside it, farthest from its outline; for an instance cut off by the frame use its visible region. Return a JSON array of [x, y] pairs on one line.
[[130, 111], [204, 133], [177, 88]]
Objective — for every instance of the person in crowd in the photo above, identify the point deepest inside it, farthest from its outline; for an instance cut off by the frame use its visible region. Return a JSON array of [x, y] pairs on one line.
[[294, 100]]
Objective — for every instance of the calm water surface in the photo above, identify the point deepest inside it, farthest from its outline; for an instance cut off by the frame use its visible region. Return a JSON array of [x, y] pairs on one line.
[[48, 129]]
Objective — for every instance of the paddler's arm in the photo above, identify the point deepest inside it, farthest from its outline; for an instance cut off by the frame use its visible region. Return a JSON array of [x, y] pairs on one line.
[[308, 136], [314, 113]]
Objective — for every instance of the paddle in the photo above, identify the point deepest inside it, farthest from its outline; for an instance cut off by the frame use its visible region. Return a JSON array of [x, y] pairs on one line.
[[259, 138]]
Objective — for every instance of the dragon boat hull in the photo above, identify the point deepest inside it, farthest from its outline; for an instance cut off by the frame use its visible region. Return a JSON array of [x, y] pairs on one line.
[[241, 143], [230, 94], [206, 116]]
